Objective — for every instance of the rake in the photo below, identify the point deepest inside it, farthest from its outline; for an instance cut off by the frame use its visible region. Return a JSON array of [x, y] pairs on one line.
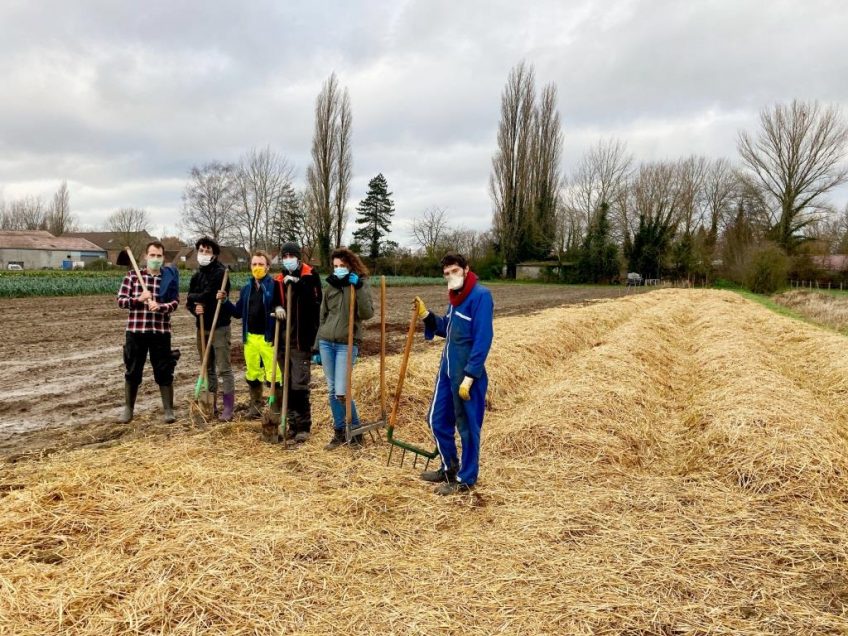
[[406, 447], [371, 427]]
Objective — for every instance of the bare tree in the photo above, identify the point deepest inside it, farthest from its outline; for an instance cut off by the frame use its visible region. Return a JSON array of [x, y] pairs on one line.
[[602, 176], [209, 200], [129, 223], [328, 177], [344, 167], [547, 179], [720, 187], [512, 166], [690, 178], [27, 213], [59, 217], [796, 158], [428, 230], [260, 180]]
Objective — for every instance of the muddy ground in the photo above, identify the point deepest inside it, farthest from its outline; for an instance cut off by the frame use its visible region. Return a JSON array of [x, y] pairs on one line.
[[61, 370]]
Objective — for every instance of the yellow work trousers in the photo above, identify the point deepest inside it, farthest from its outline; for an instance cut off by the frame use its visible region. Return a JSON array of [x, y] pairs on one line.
[[259, 358]]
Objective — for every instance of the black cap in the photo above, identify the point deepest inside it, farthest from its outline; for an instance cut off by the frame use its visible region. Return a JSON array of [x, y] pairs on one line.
[[290, 248]]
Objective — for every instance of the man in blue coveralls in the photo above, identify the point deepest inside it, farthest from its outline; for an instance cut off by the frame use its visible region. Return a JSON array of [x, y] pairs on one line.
[[460, 395]]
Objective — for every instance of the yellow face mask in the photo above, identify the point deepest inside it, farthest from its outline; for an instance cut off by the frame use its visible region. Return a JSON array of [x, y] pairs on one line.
[[258, 272]]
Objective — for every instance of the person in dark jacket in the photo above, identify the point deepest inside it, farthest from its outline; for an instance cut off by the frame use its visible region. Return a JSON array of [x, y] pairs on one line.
[[300, 280], [201, 301], [149, 329], [331, 341], [254, 308]]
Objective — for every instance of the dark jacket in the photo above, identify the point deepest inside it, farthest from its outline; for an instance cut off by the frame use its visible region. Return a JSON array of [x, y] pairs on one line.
[[241, 309], [335, 307], [306, 305], [169, 287], [202, 288]]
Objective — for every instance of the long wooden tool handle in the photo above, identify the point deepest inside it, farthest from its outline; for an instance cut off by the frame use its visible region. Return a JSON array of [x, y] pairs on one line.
[[202, 348], [276, 350], [383, 347], [348, 389], [410, 335], [215, 319], [287, 357], [135, 267]]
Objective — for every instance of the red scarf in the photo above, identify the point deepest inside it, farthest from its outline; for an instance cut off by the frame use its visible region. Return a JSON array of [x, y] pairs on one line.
[[458, 296]]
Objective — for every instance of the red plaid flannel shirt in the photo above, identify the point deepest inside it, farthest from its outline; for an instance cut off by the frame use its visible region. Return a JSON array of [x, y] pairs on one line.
[[141, 319]]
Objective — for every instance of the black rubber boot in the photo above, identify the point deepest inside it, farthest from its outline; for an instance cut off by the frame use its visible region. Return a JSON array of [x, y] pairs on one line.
[[338, 440], [167, 393], [130, 393], [441, 475]]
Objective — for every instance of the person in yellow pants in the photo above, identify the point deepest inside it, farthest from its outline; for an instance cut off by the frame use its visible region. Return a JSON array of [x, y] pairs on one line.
[[257, 314]]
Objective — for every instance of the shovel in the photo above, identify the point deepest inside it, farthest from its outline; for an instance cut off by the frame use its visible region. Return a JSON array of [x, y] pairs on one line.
[[349, 430], [205, 401], [202, 396], [285, 406], [270, 428]]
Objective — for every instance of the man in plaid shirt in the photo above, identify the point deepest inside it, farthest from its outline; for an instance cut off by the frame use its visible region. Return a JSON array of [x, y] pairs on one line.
[[149, 329]]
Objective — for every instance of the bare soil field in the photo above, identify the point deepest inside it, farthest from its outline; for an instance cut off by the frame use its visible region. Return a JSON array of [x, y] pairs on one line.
[[61, 370]]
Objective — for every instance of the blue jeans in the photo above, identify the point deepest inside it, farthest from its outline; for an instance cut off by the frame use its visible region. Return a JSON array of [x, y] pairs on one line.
[[334, 361]]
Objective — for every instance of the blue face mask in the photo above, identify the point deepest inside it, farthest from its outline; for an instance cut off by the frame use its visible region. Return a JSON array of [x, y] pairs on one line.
[[341, 272], [290, 264]]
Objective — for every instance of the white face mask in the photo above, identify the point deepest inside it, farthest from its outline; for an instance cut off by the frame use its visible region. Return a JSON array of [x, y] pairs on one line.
[[455, 281], [204, 259], [290, 264]]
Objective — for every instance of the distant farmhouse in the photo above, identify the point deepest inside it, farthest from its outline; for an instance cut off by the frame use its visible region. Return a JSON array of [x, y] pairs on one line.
[[41, 250]]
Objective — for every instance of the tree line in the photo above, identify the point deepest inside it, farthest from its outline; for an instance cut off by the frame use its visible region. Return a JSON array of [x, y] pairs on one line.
[[694, 217]]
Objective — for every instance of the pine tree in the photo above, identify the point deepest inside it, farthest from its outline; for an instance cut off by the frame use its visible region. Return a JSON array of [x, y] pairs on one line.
[[287, 224], [374, 218]]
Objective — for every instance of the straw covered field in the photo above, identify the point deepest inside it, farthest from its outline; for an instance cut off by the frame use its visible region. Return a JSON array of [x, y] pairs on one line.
[[667, 463]]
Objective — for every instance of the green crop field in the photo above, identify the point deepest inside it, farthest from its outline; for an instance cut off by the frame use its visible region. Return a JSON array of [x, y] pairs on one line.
[[82, 283]]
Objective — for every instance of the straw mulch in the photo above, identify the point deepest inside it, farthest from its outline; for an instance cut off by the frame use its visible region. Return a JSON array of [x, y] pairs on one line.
[[671, 463]]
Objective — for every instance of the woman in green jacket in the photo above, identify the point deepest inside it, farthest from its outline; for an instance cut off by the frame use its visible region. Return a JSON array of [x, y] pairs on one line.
[[331, 341]]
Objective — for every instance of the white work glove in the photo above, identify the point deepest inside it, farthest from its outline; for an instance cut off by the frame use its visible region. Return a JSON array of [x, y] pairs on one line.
[[465, 388], [280, 313], [291, 280]]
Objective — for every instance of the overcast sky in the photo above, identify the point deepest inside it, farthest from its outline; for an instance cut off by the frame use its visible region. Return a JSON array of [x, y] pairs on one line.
[[122, 98]]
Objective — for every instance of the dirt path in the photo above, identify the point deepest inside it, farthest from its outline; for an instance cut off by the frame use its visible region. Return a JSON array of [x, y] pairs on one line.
[[61, 367]]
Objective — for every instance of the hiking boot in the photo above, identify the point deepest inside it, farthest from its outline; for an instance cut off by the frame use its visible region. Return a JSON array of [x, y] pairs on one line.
[[130, 393], [436, 476], [301, 436], [229, 400], [452, 488], [167, 393], [254, 412], [338, 440]]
